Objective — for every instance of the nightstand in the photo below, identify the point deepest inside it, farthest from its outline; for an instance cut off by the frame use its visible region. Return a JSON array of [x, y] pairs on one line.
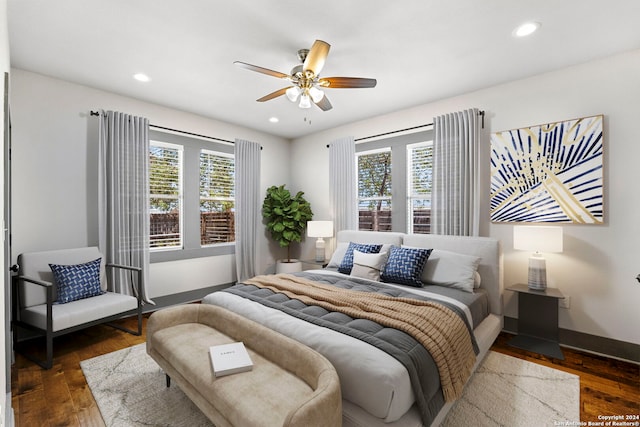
[[537, 320], [312, 264]]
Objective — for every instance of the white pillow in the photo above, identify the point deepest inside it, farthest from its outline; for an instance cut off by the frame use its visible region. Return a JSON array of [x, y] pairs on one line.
[[477, 280], [451, 269], [368, 266], [341, 250], [338, 254]]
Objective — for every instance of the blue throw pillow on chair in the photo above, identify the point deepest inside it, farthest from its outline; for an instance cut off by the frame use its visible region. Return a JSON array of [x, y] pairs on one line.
[[74, 282], [405, 265]]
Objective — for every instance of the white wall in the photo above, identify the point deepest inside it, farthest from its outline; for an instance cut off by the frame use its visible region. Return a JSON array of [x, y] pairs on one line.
[[55, 178], [600, 262]]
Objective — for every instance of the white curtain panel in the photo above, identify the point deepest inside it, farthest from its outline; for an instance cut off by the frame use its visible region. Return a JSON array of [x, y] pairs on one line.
[[455, 198], [247, 193], [123, 198], [342, 184]]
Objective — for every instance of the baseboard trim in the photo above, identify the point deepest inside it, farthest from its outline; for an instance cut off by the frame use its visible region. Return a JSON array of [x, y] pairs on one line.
[[586, 342], [7, 415], [182, 297]]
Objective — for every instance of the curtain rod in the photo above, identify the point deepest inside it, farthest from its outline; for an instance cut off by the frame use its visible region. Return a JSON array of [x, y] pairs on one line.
[[96, 113], [394, 131], [480, 113]]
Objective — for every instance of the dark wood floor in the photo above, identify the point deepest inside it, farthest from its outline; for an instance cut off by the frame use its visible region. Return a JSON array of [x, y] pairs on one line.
[[61, 396]]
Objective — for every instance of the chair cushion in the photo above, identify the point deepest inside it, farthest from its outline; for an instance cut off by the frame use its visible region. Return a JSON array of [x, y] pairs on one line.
[[74, 282], [36, 265], [79, 312]]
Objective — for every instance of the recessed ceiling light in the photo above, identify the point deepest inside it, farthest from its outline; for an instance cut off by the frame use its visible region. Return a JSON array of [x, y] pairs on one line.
[[526, 29], [141, 77], [274, 119]]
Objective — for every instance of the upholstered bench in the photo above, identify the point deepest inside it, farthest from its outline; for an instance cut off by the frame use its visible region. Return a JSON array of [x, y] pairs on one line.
[[290, 384]]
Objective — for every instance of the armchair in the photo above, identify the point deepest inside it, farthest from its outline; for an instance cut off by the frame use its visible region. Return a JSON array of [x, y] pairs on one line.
[[37, 296]]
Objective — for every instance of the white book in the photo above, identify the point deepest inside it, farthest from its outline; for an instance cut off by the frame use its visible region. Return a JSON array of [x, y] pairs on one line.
[[229, 359]]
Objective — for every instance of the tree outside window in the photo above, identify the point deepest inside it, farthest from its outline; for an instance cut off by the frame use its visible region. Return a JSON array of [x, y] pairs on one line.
[[374, 190]]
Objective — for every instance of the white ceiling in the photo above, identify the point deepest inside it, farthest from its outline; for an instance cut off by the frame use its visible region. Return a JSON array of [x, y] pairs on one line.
[[418, 50]]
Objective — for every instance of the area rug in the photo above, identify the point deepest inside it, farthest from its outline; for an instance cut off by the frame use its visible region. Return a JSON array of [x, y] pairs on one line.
[[130, 391], [506, 391]]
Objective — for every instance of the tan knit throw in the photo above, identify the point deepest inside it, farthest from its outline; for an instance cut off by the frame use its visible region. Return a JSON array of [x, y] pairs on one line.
[[435, 326]]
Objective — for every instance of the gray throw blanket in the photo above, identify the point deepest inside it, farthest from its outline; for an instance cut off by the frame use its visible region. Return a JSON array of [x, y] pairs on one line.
[[419, 363]]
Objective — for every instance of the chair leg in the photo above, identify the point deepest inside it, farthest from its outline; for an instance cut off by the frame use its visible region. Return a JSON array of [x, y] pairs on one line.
[[137, 332], [49, 361]]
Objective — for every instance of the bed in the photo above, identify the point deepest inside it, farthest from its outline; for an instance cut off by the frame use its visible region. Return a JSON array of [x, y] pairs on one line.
[[379, 386]]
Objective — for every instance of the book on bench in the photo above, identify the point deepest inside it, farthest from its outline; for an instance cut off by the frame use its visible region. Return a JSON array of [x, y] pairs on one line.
[[228, 359]]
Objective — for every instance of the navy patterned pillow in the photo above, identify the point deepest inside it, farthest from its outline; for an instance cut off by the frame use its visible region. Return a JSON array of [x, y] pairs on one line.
[[347, 262], [404, 266], [74, 282]]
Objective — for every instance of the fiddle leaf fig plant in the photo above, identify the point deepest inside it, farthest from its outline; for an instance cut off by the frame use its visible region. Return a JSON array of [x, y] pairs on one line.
[[286, 216]]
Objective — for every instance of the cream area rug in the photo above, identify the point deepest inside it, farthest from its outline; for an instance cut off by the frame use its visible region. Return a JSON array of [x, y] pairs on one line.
[[130, 390]]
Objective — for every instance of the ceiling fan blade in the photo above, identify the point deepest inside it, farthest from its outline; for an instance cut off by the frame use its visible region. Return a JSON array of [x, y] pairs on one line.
[[324, 104], [347, 82], [272, 95], [262, 70], [316, 57]]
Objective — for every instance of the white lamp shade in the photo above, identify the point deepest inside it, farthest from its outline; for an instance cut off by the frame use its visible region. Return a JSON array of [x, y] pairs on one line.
[[316, 94], [292, 93], [537, 238], [320, 228], [305, 101]]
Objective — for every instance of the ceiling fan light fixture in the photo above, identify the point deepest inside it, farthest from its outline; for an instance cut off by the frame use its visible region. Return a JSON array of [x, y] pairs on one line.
[[292, 93], [304, 80], [305, 101], [316, 94]]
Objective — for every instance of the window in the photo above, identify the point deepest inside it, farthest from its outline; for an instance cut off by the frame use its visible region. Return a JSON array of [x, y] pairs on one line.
[[165, 195], [420, 157], [191, 189], [217, 203], [374, 190], [394, 183]]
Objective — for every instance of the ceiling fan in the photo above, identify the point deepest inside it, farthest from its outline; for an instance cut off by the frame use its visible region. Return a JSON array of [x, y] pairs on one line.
[[307, 83]]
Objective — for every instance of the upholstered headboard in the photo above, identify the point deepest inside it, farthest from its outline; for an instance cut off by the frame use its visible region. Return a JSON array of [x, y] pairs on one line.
[[488, 249], [370, 237]]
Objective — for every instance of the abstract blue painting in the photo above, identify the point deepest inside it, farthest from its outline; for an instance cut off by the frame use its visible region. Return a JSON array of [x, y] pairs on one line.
[[548, 173]]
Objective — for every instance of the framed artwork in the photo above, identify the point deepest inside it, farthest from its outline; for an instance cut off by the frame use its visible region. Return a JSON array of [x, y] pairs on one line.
[[548, 173]]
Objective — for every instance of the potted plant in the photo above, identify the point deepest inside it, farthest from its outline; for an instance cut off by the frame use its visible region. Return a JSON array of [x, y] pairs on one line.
[[286, 218]]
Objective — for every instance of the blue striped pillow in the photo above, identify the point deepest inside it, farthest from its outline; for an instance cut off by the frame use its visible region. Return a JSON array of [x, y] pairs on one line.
[[405, 265], [74, 282], [347, 262]]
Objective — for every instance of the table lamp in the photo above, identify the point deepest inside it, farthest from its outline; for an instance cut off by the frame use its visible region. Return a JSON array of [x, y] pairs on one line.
[[320, 229], [537, 239]]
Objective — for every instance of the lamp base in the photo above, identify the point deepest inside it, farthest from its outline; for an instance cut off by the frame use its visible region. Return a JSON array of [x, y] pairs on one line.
[[320, 254], [537, 273]]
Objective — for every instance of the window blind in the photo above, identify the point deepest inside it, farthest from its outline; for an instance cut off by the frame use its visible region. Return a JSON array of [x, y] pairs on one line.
[[420, 179], [165, 195], [217, 197]]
